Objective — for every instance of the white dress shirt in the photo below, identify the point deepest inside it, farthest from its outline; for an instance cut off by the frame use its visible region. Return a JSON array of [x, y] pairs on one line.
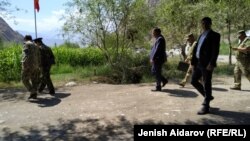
[[200, 42]]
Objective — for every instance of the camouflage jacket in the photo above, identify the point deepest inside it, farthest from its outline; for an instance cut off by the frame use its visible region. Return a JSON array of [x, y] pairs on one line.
[[190, 51], [245, 43], [30, 56]]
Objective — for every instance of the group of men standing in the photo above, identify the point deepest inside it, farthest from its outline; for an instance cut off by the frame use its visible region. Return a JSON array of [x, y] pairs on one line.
[[202, 57], [36, 63]]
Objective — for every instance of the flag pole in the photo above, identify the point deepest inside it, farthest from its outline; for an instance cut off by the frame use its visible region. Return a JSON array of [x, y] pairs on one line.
[[35, 22]]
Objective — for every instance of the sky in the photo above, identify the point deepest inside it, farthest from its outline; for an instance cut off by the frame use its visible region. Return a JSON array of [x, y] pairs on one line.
[[47, 18]]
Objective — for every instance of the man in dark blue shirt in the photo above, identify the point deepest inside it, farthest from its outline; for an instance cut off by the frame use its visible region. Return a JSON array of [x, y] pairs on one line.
[[158, 57]]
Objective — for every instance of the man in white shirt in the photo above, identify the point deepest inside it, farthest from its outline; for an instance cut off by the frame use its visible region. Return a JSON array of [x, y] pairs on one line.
[[203, 61]]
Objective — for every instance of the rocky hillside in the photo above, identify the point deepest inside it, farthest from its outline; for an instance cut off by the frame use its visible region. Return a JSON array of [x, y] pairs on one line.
[[8, 34]]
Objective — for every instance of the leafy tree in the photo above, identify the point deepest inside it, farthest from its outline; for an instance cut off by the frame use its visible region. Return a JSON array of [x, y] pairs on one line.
[[114, 26], [3, 6], [183, 16], [178, 18], [233, 17], [5, 9]]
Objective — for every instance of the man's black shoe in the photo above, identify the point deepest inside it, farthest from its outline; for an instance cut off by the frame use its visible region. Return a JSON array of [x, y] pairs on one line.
[[211, 98], [33, 96], [155, 90], [52, 93], [204, 110], [164, 83]]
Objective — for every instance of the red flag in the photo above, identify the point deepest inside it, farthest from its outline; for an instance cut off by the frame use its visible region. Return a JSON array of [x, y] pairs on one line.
[[36, 5]]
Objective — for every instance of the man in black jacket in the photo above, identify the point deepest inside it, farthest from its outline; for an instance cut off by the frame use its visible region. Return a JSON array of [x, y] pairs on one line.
[[204, 60], [158, 57], [47, 60]]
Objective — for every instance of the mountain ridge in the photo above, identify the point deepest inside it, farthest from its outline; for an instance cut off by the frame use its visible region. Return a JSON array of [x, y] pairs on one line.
[[8, 34]]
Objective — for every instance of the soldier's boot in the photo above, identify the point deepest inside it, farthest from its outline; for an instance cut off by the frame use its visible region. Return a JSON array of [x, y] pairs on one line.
[[33, 95], [182, 83], [235, 87], [237, 81]]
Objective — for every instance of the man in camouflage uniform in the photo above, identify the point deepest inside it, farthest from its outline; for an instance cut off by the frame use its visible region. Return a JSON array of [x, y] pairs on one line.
[[47, 60], [189, 51], [30, 66], [243, 60]]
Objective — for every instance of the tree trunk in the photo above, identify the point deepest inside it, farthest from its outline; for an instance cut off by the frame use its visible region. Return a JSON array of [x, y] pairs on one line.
[[229, 41]]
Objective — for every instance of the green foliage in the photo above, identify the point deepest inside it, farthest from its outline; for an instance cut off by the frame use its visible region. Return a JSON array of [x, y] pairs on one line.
[[170, 69], [128, 68], [1, 43], [80, 71], [10, 60], [224, 49], [131, 68], [78, 56], [224, 69], [62, 69], [70, 45], [10, 63]]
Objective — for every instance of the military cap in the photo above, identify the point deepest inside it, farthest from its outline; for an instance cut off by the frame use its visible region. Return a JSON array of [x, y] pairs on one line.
[[241, 32], [38, 40], [28, 37]]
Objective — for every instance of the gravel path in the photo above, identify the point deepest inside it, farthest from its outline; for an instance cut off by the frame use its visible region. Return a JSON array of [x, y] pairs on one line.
[[101, 112]]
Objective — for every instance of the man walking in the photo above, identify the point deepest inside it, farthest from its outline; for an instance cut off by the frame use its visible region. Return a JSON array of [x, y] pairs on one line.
[[47, 60], [30, 66], [157, 58], [204, 60], [243, 60], [189, 51]]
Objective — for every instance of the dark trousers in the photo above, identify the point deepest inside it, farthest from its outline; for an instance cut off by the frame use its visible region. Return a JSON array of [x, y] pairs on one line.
[[46, 81], [156, 70], [205, 89]]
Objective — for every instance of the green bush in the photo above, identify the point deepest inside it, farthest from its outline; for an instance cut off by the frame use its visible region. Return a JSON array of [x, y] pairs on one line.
[[78, 56], [10, 63], [130, 67], [10, 60], [224, 69]]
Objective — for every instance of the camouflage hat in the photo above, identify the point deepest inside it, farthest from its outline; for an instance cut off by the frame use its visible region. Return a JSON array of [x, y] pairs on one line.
[[241, 32], [38, 40]]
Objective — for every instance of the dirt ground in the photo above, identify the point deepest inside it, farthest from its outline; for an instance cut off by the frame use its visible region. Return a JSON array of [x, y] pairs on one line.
[[103, 112]]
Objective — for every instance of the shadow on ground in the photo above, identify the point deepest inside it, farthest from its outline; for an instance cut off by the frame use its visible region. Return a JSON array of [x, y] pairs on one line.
[[219, 89], [46, 102], [103, 130], [12, 94], [50, 101], [180, 93]]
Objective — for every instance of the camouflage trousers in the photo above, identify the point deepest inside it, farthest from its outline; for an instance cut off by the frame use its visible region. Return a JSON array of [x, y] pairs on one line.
[[188, 75], [241, 66], [30, 79]]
